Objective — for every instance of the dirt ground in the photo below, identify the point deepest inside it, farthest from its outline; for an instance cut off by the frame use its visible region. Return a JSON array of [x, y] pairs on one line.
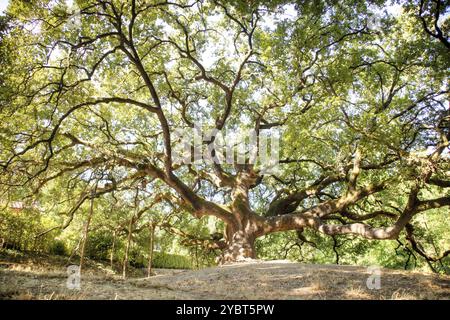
[[47, 278]]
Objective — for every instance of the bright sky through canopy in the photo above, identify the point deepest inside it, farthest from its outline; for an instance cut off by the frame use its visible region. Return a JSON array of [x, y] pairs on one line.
[[3, 5]]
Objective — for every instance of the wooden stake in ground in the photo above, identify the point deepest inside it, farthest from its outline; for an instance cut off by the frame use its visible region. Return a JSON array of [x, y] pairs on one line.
[[151, 227], [127, 249], [86, 230], [111, 258]]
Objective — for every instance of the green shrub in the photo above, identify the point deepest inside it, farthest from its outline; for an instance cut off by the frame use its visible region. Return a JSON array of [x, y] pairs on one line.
[[99, 245], [171, 261], [58, 248], [136, 258]]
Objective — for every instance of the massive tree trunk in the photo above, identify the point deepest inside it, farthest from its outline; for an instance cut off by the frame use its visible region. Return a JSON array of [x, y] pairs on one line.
[[240, 246], [241, 234]]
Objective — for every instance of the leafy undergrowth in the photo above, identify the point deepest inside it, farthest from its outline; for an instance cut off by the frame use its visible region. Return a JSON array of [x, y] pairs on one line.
[[43, 263], [44, 277]]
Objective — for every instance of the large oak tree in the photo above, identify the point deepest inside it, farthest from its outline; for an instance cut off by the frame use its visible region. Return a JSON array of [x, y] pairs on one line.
[[357, 91]]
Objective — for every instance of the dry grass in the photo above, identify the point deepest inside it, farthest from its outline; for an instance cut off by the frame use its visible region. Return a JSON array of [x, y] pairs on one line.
[[251, 280]]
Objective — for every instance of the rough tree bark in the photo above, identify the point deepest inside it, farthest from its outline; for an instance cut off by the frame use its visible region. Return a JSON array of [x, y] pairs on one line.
[[245, 226]]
